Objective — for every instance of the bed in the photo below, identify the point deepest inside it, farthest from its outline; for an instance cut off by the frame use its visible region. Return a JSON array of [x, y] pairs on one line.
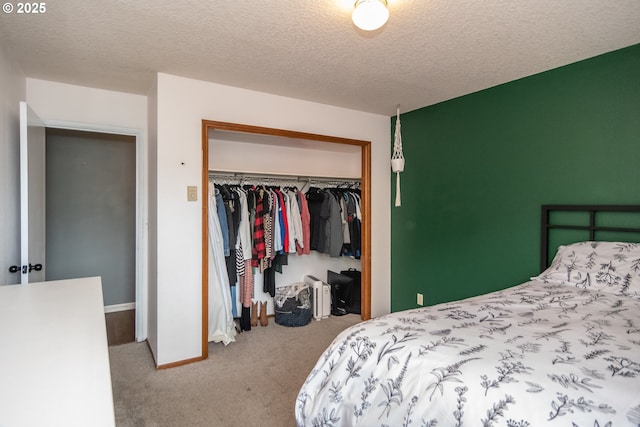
[[561, 349]]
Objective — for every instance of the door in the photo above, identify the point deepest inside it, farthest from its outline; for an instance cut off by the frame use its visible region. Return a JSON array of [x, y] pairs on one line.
[[32, 196]]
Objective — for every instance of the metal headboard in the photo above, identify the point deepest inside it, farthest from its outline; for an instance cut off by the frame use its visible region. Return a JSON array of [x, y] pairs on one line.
[[592, 227]]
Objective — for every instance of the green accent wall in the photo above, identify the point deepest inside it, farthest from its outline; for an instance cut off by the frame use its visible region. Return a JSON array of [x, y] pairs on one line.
[[479, 167]]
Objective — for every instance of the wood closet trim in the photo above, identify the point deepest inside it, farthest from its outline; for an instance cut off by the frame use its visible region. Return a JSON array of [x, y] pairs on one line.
[[365, 258]]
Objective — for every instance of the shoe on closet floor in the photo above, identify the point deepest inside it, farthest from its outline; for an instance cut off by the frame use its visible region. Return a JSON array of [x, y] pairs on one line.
[[263, 314], [254, 313]]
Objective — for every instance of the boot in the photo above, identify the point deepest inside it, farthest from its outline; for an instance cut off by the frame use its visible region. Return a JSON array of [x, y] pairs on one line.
[[263, 314], [254, 314]]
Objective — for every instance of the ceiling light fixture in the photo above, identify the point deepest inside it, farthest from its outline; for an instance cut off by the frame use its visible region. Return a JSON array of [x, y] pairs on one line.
[[370, 15]]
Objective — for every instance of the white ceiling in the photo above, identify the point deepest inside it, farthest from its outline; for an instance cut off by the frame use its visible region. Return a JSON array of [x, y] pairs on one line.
[[429, 51]]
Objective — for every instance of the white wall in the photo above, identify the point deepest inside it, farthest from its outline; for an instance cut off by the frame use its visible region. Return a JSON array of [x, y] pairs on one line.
[[60, 102], [311, 159], [12, 90], [182, 104]]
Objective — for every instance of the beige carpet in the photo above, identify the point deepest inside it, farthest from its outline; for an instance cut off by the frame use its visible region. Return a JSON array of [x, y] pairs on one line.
[[251, 382]]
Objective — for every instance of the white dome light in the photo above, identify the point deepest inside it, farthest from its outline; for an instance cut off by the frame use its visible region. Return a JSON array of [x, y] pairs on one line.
[[370, 15]]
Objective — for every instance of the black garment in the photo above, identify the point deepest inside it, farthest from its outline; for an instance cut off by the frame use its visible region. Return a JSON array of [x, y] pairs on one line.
[[279, 260], [269, 281], [349, 209], [232, 210], [355, 234], [232, 272], [251, 197], [325, 216], [266, 202], [245, 319], [315, 198], [289, 305], [354, 225], [234, 214]]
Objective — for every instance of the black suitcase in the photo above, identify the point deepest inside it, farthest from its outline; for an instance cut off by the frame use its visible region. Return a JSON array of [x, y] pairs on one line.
[[353, 305], [340, 292]]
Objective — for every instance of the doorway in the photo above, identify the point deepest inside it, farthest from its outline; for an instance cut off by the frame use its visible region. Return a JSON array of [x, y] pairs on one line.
[[91, 218]]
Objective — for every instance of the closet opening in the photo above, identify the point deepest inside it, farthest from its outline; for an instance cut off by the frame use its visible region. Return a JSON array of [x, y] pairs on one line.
[[237, 134]]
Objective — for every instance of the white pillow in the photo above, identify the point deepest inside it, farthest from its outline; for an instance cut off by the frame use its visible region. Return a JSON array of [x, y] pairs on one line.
[[607, 266]]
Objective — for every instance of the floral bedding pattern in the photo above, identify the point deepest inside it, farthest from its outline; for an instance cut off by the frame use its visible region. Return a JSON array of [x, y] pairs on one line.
[[535, 354]]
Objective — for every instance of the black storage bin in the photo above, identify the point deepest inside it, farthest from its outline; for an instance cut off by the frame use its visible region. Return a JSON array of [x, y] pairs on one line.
[[292, 305]]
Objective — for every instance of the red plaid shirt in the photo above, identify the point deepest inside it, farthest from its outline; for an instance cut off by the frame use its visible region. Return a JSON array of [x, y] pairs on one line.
[[258, 251]]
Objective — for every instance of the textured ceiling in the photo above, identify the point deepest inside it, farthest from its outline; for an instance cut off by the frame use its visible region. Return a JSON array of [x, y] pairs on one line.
[[428, 52]]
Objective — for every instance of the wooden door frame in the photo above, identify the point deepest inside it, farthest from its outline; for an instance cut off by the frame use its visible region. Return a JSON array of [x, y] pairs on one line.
[[365, 258]]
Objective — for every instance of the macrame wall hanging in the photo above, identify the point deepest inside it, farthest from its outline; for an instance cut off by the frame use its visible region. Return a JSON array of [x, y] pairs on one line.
[[397, 159]]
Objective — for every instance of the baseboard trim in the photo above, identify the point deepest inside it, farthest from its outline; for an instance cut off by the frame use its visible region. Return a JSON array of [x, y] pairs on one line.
[[180, 363], [119, 307]]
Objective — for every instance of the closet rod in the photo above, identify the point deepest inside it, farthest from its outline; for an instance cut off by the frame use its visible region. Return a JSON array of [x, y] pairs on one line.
[[277, 177]]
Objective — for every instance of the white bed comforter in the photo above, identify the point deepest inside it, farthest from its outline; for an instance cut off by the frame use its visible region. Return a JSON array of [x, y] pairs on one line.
[[535, 354]]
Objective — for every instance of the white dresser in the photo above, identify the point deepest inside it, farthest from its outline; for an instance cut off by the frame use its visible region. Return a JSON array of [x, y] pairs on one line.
[[54, 361]]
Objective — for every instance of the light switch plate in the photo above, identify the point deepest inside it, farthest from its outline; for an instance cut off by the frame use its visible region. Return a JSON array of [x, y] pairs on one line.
[[192, 193]]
